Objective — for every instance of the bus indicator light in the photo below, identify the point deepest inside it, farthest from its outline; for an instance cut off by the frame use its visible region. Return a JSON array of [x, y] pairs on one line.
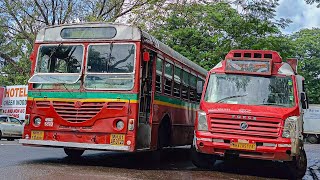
[[131, 125]]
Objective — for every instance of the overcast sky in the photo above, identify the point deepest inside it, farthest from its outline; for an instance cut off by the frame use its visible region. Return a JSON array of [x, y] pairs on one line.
[[301, 14]]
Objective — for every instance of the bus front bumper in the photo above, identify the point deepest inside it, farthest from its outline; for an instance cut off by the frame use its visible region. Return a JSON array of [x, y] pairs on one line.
[[60, 144], [205, 143]]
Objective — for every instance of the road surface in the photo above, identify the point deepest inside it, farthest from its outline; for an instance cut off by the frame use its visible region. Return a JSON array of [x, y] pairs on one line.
[[21, 162]]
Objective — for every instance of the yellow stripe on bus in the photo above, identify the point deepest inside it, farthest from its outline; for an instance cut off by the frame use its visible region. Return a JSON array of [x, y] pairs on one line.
[[173, 105]]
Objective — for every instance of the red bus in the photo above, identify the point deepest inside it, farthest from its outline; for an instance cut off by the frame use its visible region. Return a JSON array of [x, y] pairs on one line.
[[104, 86], [252, 107]]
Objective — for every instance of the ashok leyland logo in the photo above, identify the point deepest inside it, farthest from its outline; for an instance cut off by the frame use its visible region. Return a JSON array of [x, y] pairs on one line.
[[244, 126]]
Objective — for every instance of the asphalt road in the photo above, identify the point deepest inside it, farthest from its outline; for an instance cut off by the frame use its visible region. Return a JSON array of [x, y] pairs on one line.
[[21, 162]]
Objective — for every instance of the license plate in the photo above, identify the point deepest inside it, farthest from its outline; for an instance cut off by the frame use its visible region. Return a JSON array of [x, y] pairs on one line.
[[245, 146], [37, 135], [117, 139]]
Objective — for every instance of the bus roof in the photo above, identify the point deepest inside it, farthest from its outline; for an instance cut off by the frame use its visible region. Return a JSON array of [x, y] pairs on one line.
[[120, 32]]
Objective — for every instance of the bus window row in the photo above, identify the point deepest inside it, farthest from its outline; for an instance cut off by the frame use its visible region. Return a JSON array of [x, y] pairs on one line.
[[174, 81]]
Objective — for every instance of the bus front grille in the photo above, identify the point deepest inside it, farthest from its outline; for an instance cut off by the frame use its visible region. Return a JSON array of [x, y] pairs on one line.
[[77, 112], [257, 127]]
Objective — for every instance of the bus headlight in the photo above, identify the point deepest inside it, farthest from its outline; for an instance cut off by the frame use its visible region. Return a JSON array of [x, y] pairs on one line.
[[120, 125], [289, 128], [37, 121], [202, 121]]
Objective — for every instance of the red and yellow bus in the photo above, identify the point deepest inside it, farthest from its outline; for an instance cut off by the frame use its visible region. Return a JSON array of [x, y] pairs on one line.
[[104, 86], [252, 107]]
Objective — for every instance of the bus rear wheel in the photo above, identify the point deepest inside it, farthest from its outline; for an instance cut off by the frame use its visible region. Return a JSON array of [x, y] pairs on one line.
[[73, 153], [298, 166], [201, 160]]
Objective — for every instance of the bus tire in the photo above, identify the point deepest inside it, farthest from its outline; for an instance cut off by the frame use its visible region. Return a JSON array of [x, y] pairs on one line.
[[312, 139], [0, 135], [164, 134], [73, 153], [298, 166], [201, 160]]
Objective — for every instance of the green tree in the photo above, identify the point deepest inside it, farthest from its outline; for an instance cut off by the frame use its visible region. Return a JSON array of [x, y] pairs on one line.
[[307, 50], [206, 32]]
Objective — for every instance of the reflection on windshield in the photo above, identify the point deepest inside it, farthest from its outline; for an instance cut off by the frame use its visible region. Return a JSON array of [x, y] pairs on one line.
[[58, 64], [75, 86], [123, 82], [111, 58], [251, 90], [110, 66], [59, 59]]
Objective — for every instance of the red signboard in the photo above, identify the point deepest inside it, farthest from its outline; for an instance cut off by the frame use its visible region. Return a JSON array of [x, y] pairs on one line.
[[248, 66]]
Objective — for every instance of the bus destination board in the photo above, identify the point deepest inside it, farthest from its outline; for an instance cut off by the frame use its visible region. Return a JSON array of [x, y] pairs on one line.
[[248, 66]]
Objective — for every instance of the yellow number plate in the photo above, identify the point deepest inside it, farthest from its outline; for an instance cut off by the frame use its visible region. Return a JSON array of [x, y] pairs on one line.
[[37, 135], [117, 139], [245, 146]]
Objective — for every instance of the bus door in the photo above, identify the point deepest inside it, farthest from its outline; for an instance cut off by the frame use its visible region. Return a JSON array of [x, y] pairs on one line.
[[144, 126]]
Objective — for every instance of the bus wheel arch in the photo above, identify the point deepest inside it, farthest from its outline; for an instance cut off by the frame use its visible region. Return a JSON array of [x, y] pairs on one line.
[[164, 132]]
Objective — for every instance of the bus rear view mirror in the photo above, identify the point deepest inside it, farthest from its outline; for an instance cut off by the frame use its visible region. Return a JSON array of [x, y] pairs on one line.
[[146, 56], [304, 102], [199, 87]]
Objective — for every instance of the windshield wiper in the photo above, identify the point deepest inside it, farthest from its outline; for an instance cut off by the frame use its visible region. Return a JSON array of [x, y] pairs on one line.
[[230, 97], [273, 104]]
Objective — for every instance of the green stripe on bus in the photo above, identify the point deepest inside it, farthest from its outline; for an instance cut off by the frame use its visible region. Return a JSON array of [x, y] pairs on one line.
[[174, 101], [82, 95]]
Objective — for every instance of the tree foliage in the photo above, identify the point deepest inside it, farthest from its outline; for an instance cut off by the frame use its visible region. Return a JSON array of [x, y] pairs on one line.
[[206, 32], [307, 50]]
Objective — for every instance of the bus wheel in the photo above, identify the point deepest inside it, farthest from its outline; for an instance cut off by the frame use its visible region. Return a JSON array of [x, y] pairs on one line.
[[298, 166], [201, 160], [312, 139], [0, 135], [73, 153]]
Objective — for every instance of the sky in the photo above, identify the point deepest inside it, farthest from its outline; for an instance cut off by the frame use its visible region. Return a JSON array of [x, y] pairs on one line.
[[301, 14]]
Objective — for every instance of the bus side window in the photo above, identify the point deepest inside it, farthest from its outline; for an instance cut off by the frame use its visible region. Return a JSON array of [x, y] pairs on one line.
[[168, 78], [185, 85], [177, 82], [199, 94], [193, 86], [159, 65]]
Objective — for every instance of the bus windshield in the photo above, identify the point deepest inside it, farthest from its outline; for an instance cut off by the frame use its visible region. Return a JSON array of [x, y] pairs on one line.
[[250, 90], [58, 64], [110, 66]]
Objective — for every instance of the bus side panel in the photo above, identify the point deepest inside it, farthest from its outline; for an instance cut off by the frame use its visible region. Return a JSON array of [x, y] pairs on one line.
[[181, 119]]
